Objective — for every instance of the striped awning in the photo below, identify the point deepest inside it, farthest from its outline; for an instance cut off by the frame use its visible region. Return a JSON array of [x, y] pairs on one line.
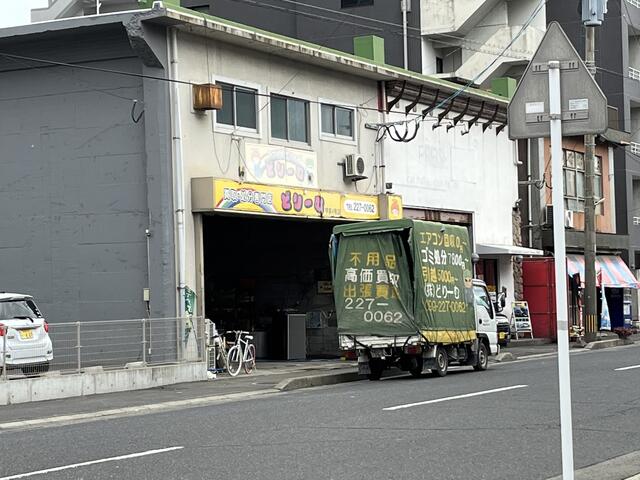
[[611, 271]]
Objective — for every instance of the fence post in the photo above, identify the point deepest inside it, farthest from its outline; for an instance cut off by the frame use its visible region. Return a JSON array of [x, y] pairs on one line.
[[5, 330], [78, 346], [144, 341]]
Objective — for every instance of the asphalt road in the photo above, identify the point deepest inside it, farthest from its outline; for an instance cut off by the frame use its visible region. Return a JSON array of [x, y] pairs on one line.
[[343, 432]]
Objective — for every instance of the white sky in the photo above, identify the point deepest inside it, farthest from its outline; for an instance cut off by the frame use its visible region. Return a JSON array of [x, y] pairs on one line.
[[18, 12]]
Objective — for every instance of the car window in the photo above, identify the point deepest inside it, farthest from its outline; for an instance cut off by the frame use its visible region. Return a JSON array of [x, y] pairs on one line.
[[17, 308], [482, 298]]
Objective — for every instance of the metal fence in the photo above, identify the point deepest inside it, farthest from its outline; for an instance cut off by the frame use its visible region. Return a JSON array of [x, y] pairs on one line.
[[111, 344]]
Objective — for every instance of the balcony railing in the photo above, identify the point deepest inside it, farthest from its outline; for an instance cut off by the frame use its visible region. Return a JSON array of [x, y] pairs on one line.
[[634, 147], [635, 3], [634, 72]]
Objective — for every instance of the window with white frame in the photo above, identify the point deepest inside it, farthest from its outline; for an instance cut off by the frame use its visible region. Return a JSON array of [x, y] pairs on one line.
[[574, 181], [289, 118], [239, 107], [337, 121]]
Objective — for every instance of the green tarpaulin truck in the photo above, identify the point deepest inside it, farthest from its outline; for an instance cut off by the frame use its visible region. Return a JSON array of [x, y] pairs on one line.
[[405, 296]]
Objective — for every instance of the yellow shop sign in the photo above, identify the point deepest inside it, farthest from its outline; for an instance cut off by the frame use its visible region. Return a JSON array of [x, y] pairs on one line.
[[229, 195]]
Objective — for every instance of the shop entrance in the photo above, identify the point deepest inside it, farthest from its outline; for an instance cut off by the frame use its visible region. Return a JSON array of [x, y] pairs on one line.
[[271, 276]]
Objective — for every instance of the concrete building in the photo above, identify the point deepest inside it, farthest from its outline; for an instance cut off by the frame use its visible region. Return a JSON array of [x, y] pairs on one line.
[[117, 183]]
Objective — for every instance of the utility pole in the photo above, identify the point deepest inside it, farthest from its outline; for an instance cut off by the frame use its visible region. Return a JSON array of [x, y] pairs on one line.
[[592, 15]]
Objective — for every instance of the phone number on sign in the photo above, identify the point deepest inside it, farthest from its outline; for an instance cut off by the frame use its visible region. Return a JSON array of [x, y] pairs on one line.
[[446, 306], [369, 316]]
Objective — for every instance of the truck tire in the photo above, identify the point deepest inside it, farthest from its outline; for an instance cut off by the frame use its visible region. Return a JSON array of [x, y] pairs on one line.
[[416, 371], [483, 358], [376, 366], [442, 363]]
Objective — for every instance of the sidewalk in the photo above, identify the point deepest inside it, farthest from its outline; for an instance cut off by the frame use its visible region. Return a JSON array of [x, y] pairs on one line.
[[265, 378]]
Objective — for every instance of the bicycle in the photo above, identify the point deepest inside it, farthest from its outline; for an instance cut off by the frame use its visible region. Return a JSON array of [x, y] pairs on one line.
[[242, 354]]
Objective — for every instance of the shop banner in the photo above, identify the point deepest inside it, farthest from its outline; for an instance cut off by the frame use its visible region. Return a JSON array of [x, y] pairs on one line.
[[276, 165], [277, 200], [375, 293], [445, 311], [373, 290]]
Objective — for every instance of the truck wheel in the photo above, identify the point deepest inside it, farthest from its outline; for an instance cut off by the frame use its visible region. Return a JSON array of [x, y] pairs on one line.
[[417, 370], [483, 358], [376, 367], [442, 363]]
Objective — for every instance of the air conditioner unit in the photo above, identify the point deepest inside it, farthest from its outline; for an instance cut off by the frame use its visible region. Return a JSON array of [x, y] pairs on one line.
[[354, 167], [568, 219], [548, 215]]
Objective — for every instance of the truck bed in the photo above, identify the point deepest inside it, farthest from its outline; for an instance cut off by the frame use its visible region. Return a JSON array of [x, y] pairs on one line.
[[347, 341]]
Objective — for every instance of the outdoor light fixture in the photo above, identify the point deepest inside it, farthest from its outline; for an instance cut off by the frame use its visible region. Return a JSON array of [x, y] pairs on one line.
[[207, 96]]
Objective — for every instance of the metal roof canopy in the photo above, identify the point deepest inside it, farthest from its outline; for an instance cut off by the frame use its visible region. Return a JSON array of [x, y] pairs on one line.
[[584, 106]]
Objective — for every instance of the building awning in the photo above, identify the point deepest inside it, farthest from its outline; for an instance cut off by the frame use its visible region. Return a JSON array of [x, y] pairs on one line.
[[611, 271], [487, 249]]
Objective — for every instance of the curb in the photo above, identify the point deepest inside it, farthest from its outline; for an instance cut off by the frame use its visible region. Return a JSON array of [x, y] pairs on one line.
[[624, 467], [296, 383], [614, 342]]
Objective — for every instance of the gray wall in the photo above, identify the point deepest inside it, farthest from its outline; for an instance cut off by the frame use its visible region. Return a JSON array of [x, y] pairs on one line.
[[321, 26], [77, 188]]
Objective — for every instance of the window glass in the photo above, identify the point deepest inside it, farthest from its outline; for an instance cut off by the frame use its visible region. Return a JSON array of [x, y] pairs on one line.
[[225, 114], [297, 120], [344, 122], [570, 183], [278, 117], [580, 184], [17, 308], [598, 164], [482, 299], [579, 161], [355, 3], [328, 125], [571, 159], [246, 108]]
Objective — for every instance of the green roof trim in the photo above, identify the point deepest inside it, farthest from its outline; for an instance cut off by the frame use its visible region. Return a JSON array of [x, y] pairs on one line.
[[437, 82]]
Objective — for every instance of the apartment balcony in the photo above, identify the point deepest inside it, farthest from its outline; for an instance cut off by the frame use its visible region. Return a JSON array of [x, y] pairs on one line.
[[453, 16]]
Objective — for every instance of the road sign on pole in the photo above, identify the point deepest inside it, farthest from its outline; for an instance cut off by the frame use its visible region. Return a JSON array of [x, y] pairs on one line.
[[583, 105], [557, 96]]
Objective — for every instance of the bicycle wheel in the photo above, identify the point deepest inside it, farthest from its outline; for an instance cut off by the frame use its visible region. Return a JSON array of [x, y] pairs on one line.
[[234, 360], [250, 360]]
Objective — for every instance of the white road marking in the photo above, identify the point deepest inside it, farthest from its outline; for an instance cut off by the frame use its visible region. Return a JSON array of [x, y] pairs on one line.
[[455, 397], [135, 410], [626, 368], [92, 462]]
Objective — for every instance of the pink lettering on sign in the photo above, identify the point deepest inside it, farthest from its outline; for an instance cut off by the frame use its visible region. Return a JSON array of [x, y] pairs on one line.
[[297, 202], [285, 198]]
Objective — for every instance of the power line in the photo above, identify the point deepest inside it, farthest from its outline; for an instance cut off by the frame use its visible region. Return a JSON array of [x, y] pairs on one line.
[[154, 77], [453, 96], [524, 53]]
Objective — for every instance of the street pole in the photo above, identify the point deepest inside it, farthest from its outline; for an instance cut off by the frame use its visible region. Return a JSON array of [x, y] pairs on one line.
[[404, 6], [564, 379], [590, 299]]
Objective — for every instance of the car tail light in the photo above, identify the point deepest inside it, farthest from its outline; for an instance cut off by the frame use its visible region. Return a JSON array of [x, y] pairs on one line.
[[2, 328], [46, 326]]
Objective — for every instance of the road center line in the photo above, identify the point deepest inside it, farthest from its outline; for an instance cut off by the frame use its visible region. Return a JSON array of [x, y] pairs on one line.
[[92, 462], [626, 368], [455, 397]]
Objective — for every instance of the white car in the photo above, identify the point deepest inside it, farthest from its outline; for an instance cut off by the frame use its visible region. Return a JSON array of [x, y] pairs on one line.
[[25, 335]]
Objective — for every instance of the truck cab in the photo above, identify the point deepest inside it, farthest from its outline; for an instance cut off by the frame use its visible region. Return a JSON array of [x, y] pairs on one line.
[[486, 316]]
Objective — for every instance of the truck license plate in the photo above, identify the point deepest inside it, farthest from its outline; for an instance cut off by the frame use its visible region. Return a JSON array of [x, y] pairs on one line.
[[501, 335]]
